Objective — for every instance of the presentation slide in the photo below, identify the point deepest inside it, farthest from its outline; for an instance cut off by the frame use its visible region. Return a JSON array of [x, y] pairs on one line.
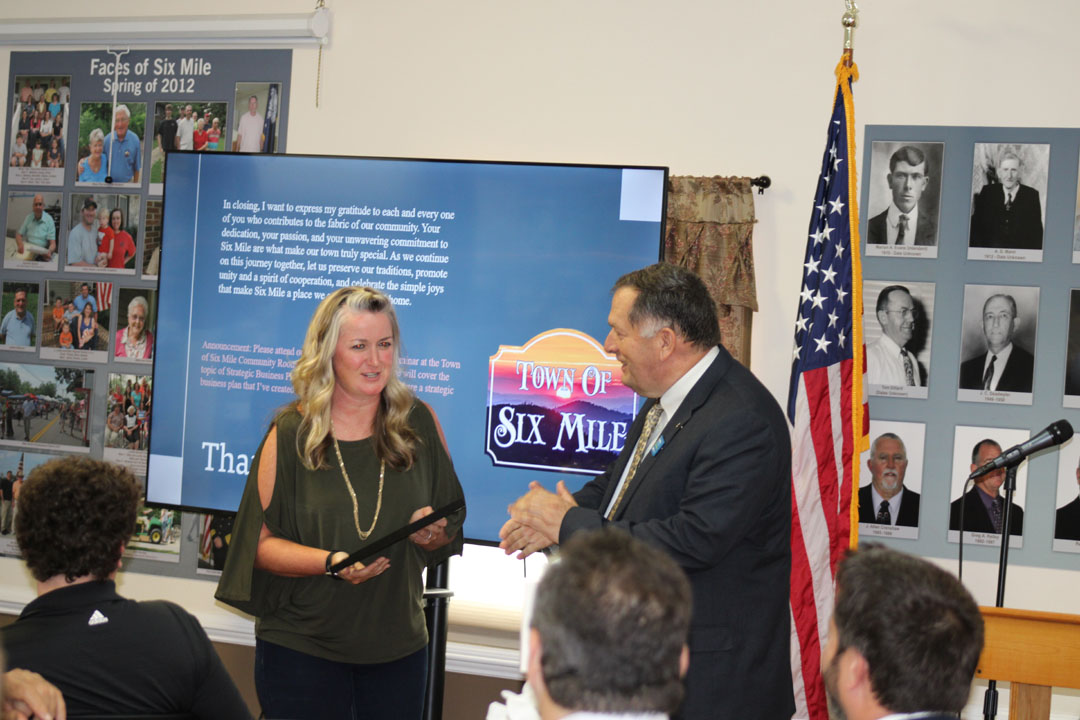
[[501, 276]]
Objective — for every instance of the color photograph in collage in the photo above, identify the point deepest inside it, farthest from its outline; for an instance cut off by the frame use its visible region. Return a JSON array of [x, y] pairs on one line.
[[103, 234], [152, 239], [15, 465], [30, 239], [39, 130], [890, 498], [110, 143], [157, 532], [136, 324], [77, 327], [46, 407], [185, 125], [255, 117], [18, 303], [127, 421], [215, 533]]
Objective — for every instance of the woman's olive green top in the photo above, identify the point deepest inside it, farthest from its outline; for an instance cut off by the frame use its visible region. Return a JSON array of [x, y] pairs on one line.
[[376, 621]]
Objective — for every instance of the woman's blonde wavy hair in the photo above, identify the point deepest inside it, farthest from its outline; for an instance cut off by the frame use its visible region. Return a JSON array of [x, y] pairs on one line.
[[313, 382]]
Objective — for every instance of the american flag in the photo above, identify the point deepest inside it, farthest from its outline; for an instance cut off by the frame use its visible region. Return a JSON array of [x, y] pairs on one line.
[[103, 290], [206, 538], [270, 119], [826, 403]]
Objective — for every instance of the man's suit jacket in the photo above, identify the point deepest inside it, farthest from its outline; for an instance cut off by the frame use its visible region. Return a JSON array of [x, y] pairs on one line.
[[1015, 376], [1067, 523], [908, 516], [993, 226], [717, 498], [877, 231], [977, 518]]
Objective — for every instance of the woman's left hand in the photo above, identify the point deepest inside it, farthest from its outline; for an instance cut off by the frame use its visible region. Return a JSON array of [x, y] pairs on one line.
[[434, 535]]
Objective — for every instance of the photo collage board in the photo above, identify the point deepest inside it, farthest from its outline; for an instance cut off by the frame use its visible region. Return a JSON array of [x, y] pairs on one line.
[[971, 292], [87, 135]]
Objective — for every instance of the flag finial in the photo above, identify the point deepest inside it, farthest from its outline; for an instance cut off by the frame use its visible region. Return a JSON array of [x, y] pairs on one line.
[[850, 21]]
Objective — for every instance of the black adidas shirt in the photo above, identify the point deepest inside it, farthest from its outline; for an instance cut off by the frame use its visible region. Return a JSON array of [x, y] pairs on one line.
[[110, 655]]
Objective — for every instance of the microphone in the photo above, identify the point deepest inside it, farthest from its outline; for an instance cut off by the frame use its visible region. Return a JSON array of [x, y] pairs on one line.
[[1054, 434]]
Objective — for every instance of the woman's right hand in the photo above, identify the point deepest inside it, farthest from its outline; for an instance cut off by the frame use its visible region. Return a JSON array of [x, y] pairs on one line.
[[359, 572]]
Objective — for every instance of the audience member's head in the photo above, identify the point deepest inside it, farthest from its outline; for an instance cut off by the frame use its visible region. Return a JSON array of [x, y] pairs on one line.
[[609, 628], [75, 516], [905, 637]]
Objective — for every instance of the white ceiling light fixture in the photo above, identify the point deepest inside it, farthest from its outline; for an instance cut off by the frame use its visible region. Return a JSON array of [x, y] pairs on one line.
[[270, 30]]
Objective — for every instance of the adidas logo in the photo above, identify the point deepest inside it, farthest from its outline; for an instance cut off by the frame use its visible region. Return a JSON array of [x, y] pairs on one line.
[[97, 618]]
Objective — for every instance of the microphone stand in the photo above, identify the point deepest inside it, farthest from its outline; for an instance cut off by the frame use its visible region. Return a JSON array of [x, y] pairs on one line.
[[991, 697]]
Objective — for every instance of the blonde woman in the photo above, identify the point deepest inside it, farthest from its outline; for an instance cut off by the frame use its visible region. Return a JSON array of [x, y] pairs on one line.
[[353, 458]]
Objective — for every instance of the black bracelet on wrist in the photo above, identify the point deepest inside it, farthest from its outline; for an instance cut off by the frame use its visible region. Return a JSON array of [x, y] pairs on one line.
[[329, 563]]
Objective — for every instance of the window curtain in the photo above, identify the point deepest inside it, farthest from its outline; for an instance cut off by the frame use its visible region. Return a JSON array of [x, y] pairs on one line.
[[710, 224]]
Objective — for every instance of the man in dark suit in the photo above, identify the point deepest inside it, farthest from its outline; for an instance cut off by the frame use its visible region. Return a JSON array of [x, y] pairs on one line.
[[902, 223], [904, 639], [1067, 522], [984, 509], [885, 500], [1007, 214], [1005, 366], [704, 476]]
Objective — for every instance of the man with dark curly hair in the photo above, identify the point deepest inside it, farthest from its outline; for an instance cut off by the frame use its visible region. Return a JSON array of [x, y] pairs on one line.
[[108, 655]]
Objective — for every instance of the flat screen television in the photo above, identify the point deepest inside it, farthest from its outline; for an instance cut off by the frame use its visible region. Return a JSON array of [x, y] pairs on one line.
[[500, 273]]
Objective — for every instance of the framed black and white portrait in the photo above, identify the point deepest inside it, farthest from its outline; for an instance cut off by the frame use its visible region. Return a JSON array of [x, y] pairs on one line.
[[997, 348], [1008, 201], [897, 320], [905, 199], [979, 506]]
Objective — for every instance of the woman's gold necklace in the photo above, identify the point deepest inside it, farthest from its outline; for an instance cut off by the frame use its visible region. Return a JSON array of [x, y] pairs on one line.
[[352, 493]]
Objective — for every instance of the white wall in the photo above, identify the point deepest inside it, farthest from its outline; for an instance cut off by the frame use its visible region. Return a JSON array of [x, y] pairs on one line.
[[703, 86]]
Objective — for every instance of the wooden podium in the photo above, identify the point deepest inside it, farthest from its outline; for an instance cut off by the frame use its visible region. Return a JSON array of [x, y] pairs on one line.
[[1034, 652]]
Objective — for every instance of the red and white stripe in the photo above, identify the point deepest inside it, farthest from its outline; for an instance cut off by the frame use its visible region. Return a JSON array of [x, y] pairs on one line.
[[822, 447], [205, 544], [103, 290]]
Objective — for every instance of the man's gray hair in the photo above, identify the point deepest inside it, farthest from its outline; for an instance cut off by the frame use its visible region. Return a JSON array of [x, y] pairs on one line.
[[887, 436], [672, 296]]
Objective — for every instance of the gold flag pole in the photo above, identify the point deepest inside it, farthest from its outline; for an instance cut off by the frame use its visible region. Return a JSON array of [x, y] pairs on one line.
[[850, 21]]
